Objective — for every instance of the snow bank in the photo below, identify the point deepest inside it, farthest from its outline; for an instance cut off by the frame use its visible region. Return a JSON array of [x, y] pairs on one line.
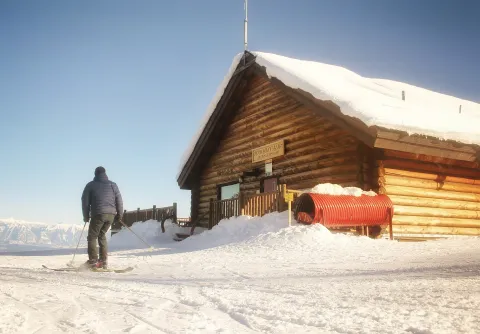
[[273, 225], [150, 231], [270, 231], [237, 229], [19, 232], [375, 102]]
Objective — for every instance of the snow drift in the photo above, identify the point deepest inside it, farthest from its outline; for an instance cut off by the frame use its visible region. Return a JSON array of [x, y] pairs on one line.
[[150, 231], [336, 189], [237, 229]]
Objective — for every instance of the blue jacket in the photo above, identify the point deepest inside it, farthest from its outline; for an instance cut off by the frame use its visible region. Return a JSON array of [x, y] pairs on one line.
[[101, 196]]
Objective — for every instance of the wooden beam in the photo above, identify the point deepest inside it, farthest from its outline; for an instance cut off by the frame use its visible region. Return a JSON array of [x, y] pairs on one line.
[[424, 141], [427, 146]]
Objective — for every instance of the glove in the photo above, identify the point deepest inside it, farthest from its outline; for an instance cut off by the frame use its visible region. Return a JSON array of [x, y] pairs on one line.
[[86, 219], [118, 217]]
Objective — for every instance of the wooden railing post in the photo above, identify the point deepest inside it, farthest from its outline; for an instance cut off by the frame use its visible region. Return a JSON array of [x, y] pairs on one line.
[[240, 204], [154, 212], [174, 218], [280, 198], [210, 216], [137, 214], [219, 211]]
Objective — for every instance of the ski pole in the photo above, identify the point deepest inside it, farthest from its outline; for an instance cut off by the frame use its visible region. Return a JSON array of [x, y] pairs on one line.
[[121, 222], [81, 234]]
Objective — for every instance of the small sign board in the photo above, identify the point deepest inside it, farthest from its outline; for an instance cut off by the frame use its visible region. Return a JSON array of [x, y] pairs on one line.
[[289, 197], [269, 151], [268, 168]]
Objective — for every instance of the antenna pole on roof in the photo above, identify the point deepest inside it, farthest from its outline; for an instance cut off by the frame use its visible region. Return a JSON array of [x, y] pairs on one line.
[[245, 27]]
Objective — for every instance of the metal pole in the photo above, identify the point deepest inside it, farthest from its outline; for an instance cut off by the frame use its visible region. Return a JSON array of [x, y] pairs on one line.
[[81, 234], [245, 27], [121, 222]]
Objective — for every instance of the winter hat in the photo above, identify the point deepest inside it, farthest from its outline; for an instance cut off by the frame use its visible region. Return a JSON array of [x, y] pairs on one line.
[[99, 170]]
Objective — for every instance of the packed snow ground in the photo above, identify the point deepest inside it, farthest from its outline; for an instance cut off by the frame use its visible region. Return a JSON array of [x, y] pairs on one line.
[[249, 276]]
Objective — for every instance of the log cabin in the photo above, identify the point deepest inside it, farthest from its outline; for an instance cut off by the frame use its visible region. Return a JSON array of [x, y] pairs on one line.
[[282, 121]]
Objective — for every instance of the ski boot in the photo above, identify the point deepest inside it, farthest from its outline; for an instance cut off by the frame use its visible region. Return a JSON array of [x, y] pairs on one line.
[[101, 264], [89, 264]]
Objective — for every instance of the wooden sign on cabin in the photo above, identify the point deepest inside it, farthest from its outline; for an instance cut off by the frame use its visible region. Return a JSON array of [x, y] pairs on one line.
[[269, 151]]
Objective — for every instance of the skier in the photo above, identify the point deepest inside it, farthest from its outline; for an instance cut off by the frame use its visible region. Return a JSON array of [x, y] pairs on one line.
[[102, 202]]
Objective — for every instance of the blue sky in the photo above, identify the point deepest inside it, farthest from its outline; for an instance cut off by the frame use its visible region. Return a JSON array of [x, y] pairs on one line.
[[125, 84]]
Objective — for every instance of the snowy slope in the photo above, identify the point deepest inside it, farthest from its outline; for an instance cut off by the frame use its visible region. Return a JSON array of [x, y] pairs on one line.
[[20, 232], [253, 275], [373, 101]]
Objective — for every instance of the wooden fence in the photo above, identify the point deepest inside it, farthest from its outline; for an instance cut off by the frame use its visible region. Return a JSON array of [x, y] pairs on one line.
[[222, 209], [141, 215], [251, 205], [261, 204]]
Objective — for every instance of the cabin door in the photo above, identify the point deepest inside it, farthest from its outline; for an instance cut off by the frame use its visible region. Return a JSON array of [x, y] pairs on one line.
[[270, 185]]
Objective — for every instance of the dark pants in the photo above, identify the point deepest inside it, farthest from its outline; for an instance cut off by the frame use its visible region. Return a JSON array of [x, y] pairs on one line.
[[99, 226]]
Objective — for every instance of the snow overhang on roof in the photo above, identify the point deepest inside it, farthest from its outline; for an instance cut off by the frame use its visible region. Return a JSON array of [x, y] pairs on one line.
[[375, 102]]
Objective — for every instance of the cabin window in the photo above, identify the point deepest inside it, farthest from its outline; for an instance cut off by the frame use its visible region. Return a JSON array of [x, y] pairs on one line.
[[269, 185], [227, 191]]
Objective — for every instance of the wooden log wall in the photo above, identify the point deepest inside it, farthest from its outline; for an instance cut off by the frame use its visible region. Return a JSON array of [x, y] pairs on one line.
[[431, 195], [316, 151]]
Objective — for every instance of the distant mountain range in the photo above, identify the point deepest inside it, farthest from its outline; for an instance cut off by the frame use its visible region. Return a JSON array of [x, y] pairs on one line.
[[28, 233]]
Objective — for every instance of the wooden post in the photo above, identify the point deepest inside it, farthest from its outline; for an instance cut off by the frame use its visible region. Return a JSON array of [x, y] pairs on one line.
[[289, 213], [390, 223], [240, 204], [154, 212], [210, 216], [174, 218], [137, 214], [280, 198]]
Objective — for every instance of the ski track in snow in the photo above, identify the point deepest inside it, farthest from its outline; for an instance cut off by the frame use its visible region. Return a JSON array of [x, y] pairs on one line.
[[293, 280]]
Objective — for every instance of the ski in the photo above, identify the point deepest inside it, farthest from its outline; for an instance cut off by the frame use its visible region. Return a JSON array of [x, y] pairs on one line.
[[83, 268], [118, 271]]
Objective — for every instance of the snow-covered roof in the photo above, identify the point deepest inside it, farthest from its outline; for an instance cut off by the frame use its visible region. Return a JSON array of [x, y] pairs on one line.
[[375, 102]]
